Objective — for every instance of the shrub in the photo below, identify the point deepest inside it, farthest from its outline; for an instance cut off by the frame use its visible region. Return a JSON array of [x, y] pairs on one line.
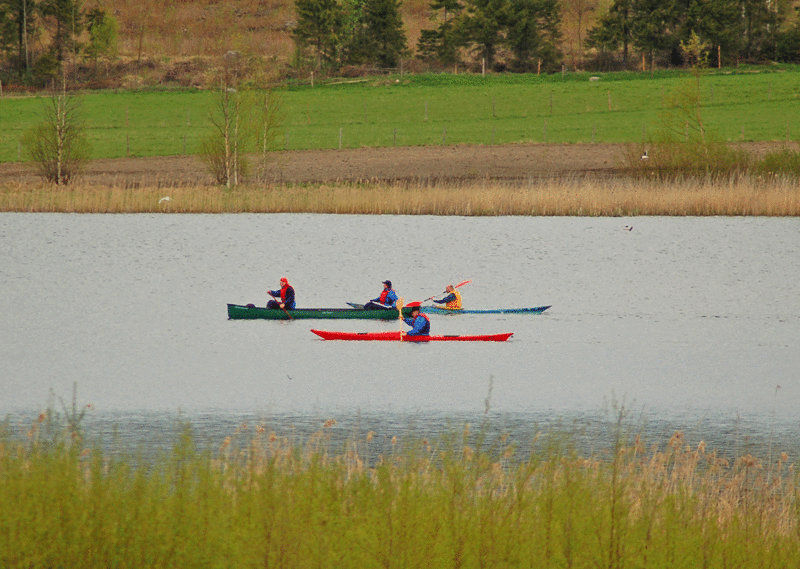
[[58, 144], [785, 161]]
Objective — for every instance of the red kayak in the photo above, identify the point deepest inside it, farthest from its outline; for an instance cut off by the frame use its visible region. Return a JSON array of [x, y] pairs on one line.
[[403, 337]]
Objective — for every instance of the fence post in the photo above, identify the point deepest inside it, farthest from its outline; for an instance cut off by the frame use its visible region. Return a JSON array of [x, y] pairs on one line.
[[544, 131], [551, 102], [19, 151], [184, 144], [494, 115], [719, 57], [340, 138], [312, 79], [594, 132], [483, 66], [426, 112], [609, 99], [188, 119], [539, 67], [127, 134], [494, 131], [1, 87]]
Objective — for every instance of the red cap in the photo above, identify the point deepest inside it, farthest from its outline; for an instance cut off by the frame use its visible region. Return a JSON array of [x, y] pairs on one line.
[[284, 280]]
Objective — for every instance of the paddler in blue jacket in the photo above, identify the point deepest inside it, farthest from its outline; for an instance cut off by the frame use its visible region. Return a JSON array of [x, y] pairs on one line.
[[452, 301], [420, 324], [285, 293], [387, 300]]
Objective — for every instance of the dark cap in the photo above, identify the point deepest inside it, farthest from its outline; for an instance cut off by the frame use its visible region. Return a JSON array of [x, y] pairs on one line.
[[388, 283]]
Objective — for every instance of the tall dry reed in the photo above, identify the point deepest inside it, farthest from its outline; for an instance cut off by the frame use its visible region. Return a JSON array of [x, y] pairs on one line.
[[731, 195]]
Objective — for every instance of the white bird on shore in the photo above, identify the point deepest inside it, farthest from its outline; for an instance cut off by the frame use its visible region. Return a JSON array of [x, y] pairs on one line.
[[164, 199], [645, 156]]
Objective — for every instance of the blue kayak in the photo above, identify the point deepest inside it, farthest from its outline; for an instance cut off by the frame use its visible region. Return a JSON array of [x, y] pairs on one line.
[[437, 310]]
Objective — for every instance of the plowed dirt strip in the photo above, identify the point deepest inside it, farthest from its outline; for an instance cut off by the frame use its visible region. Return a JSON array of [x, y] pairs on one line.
[[427, 163]]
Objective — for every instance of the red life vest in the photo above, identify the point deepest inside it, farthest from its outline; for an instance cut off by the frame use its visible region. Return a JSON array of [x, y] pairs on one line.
[[384, 294], [283, 292]]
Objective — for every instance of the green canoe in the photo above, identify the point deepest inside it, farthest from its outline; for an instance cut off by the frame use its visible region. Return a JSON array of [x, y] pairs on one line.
[[240, 312]]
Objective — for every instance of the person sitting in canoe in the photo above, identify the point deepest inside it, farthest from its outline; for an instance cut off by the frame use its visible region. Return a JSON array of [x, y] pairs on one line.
[[452, 301], [387, 300], [420, 324], [285, 293]]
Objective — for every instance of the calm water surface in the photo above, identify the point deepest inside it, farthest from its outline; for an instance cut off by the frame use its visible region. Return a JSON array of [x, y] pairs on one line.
[[692, 321]]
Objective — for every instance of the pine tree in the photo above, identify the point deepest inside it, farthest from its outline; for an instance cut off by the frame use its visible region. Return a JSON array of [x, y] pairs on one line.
[[534, 31], [18, 20], [319, 27], [483, 24], [384, 31], [67, 16], [614, 29]]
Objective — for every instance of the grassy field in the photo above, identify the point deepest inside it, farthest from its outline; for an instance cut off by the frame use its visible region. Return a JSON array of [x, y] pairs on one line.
[[437, 109], [743, 195], [265, 500]]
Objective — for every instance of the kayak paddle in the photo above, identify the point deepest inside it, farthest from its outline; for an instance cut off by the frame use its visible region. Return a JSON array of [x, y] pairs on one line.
[[281, 307], [400, 313], [454, 286]]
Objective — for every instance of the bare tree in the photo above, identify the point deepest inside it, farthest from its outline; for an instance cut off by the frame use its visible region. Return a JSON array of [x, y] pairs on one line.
[[244, 123], [58, 144], [270, 107], [221, 149], [576, 14]]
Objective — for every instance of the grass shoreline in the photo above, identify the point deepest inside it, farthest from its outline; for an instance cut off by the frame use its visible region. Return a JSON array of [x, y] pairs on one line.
[[261, 499], [740, 195]]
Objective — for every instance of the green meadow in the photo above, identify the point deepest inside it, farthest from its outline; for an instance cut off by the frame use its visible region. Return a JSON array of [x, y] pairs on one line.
[[748, 104]]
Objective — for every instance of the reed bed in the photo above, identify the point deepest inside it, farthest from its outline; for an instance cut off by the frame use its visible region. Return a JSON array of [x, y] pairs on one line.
[[264, 500], [732, 195]]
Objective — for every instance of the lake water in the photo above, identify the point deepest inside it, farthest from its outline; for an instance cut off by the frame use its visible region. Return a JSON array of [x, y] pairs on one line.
[[688, 321]]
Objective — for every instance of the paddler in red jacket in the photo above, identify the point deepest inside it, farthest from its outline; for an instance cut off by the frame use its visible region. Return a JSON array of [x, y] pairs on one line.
[[285, 293], [420, 324], [387, 299]]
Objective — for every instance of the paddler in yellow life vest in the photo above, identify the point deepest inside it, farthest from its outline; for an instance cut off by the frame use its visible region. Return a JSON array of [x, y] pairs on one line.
[[452, 301]]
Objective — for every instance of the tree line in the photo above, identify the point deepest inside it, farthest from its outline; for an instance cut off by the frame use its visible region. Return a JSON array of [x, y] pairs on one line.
[[38, 37], [523, 35]]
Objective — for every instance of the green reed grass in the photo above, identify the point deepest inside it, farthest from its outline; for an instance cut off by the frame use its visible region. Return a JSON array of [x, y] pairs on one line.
[[763, 195], [261, 500]]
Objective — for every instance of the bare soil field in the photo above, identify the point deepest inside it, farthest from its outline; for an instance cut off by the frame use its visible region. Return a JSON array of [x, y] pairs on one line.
[[518, 162]]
